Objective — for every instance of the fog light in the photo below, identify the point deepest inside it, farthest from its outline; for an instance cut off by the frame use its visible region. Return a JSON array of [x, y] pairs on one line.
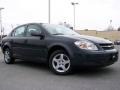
[[113, 56]]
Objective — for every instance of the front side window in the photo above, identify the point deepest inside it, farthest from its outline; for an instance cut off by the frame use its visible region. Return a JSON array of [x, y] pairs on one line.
[[19, 32], [33, 28]]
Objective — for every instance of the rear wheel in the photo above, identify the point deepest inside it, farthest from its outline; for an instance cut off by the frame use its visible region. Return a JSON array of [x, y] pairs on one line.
[[60, 62], [8, 58]]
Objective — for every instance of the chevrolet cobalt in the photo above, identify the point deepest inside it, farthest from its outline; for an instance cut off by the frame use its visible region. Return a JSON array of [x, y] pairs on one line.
[[60, 47]]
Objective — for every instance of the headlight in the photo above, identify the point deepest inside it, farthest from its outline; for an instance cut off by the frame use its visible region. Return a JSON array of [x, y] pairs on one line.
[[84, 44]]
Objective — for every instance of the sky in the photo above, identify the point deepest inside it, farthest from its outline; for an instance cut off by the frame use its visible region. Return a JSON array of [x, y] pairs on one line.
[[90, 14]]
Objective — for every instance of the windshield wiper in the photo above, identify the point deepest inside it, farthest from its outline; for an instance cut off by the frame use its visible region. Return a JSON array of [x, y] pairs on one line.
[[58, 34]]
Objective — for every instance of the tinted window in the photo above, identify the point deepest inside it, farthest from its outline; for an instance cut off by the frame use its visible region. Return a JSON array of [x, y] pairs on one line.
[[33, 28], [19, 32]]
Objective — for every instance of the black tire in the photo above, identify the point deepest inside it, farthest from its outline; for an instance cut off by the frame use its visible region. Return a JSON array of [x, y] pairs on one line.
[[9, 59], [65, 55]]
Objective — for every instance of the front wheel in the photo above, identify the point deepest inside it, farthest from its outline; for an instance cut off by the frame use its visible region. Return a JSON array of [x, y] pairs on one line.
[[8, 56], [60, 62]]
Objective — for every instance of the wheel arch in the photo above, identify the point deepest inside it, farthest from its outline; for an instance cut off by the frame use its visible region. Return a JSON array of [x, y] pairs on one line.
[[59, 47], [6, 45]]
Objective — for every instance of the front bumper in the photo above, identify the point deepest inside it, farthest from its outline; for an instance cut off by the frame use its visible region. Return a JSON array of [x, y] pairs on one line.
[[95, 58]]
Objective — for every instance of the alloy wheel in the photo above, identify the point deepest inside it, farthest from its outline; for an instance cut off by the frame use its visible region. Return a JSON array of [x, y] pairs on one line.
[[7, 56], [61, 63]]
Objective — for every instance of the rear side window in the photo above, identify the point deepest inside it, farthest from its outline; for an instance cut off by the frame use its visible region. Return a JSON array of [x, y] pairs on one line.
[[19, 32], [33, 28]]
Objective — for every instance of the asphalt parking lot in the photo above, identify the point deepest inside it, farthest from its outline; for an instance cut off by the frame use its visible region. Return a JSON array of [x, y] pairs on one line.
[[32, 76]]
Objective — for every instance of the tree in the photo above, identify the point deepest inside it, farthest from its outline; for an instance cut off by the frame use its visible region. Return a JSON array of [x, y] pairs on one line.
[[66, 25]]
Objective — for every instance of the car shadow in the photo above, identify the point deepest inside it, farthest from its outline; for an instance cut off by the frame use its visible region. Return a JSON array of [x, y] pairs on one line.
[[86, 72], [33, 65], [96, 73]]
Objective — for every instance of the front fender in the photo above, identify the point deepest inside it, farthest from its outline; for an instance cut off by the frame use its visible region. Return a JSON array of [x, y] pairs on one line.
[[65, 46]]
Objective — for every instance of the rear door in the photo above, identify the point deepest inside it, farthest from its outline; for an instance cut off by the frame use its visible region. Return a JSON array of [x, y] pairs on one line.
[[18, 41]]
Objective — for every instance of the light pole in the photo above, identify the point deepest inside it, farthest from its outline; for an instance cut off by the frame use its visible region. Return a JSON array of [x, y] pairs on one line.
[[49, 11], [1, 21], [74, 3]]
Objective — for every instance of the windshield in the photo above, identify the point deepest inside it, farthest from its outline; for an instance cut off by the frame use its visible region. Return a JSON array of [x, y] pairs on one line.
[[58, 30]]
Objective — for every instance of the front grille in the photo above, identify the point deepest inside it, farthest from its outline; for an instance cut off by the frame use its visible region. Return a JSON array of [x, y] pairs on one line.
[[107, 46]]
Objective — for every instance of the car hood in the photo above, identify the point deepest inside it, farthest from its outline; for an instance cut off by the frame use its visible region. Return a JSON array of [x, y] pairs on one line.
[[90, 38]]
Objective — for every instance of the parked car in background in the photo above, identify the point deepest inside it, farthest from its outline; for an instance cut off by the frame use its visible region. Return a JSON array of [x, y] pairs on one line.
[[60, 47], [117, 42]]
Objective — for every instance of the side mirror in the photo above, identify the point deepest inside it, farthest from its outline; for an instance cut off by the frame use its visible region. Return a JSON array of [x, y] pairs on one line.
[[34, 33]]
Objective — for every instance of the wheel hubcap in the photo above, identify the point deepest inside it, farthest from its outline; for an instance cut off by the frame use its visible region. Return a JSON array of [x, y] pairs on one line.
[[7, 56], [61, 62]]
